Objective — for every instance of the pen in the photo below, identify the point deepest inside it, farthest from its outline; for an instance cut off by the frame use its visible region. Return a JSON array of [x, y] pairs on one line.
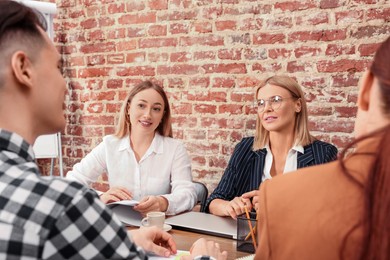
[[251, 228], [254, 229]]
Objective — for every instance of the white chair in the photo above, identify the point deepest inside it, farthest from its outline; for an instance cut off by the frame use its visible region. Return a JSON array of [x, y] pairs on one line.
[[202, 193], [49, 146]]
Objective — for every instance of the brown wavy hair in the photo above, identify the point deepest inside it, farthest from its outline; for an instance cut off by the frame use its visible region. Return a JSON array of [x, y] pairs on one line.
[[123, 127], [376, 216]]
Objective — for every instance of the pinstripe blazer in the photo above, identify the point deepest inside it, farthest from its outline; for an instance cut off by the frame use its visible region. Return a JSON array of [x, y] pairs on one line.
[[245, 168]]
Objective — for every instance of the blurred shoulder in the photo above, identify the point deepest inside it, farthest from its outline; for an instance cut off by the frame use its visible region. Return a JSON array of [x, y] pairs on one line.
[[64, 186], [304, 181]]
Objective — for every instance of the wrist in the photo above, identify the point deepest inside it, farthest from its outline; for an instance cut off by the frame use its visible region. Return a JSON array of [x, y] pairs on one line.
[[163, 203], [226, 208]]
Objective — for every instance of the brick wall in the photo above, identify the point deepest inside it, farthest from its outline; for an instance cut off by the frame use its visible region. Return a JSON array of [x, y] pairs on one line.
[[209, 55]]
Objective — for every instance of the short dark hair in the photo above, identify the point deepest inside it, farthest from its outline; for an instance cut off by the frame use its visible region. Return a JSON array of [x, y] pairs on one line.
[[19, 28], [16, 17]]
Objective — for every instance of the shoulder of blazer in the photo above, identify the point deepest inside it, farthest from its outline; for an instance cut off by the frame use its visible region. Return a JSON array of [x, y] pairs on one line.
[[322, 144], [243, 152], [317, 144], [246, 141], [326, 147], [322, 151]]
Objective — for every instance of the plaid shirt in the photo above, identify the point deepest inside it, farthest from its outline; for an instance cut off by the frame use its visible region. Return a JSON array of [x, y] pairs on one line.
[[50, 218]]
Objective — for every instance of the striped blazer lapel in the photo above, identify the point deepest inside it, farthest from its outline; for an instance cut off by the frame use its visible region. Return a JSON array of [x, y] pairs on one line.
[[259, 166], [307, 158]]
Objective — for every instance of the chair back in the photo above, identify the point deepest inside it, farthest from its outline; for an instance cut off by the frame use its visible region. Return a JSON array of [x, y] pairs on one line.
[[202, 193]]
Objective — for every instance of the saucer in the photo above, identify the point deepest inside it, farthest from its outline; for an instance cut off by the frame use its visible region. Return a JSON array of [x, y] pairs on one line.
[[167, 227]]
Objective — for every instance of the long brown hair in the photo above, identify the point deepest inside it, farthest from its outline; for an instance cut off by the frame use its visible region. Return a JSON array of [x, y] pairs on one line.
[[123, 127], [302, 134], [376, 216]]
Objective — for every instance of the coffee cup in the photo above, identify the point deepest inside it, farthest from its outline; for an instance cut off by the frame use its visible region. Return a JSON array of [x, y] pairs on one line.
[[154, 219]]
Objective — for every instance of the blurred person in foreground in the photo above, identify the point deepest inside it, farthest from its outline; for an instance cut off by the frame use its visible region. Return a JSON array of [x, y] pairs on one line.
[[45, 217], [339, 210]]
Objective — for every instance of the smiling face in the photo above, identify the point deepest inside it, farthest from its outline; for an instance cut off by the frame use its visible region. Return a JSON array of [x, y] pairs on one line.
[[146, 111], [278, 116]]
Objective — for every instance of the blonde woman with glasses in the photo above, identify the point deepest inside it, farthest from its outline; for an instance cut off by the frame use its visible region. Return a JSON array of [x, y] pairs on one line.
[[340, 210], [282, 143]]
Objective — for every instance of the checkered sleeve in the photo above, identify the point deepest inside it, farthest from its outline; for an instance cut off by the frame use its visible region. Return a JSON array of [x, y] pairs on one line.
[[88, 230]]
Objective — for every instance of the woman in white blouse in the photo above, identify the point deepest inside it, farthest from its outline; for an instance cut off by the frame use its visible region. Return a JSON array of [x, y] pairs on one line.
[[142, 160]]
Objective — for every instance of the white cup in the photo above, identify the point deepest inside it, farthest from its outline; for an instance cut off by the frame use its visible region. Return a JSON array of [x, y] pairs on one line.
[[154, 219]]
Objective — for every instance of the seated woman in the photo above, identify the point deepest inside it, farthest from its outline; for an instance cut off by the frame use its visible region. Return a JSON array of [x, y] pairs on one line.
[[340, 210], [141, 160], [282, 144]]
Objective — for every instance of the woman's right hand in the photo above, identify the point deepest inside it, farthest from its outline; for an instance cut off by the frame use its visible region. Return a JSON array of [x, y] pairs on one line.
[[236, 207], [116, 194]]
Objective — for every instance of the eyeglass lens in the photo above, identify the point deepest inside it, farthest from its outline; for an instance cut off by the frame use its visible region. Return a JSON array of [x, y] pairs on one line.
[[274, 103]]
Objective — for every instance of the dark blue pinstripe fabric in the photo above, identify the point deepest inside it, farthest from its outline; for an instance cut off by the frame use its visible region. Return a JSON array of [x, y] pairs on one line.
[[245, 167]]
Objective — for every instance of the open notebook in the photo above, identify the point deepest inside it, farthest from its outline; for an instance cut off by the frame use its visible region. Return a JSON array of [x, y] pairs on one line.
[[204, 223]]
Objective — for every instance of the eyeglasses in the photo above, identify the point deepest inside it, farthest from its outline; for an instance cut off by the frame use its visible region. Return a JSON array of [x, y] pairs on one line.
[[275, 102]]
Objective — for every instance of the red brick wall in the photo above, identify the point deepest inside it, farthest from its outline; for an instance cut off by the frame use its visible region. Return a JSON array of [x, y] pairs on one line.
[[209, 55]]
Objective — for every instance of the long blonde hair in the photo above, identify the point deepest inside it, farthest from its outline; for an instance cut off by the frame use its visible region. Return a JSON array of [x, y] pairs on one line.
[[123, 127], [302, 134]]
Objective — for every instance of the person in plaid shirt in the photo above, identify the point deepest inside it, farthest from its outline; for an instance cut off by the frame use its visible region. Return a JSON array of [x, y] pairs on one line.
[[44, 217]]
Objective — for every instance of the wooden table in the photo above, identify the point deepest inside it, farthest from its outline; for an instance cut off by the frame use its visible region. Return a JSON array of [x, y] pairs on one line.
[[185, 239]]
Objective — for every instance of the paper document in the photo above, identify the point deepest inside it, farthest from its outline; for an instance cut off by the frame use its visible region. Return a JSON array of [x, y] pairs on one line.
[[179, 254]]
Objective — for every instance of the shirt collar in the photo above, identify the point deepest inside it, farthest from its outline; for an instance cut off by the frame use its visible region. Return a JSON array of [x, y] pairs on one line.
[[297, 148], [266, 146], [156, 146], [15, 143]]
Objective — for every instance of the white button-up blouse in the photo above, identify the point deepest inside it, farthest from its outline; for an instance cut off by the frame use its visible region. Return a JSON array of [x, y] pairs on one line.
[[165, 169]]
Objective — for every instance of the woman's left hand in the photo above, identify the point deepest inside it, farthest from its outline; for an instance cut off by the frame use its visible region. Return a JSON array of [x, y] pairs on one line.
[[155, 240], [152, 203]]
